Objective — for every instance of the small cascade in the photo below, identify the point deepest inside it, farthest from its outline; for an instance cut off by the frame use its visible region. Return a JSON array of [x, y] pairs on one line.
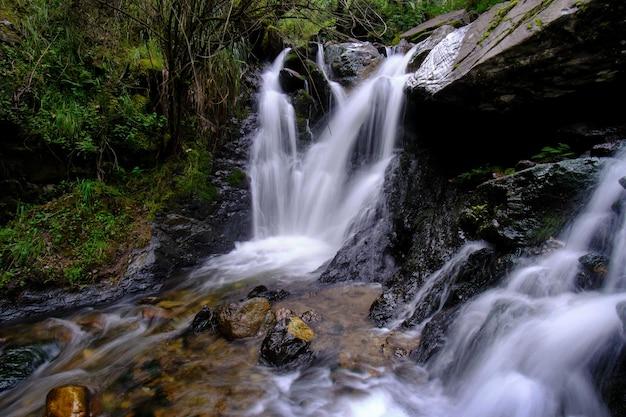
[[434, 292], [339, 95], [528, 348]]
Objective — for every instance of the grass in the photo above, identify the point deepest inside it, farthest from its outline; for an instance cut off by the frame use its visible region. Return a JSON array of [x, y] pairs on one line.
[[88, 233]]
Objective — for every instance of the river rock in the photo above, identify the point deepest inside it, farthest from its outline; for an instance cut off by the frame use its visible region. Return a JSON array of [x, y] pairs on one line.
[[524, 164], [595, 267], [433, 336], [613, 386], [291, 81], [19, 362], [288, 344], [311, 316], [606, 149], [244, 319], [68, 401], [351, 61], [271, 295]]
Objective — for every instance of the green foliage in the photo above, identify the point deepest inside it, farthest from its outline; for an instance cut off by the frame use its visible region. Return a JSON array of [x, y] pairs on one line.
[[237, 178], [554, 153], [195, 180], [64, 240], [482, 6], [72, 81]]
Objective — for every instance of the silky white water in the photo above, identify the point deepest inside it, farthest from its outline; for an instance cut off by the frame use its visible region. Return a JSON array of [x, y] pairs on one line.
[[320, 192]]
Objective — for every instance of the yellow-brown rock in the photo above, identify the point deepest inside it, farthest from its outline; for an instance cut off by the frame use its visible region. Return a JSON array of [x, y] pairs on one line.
[[300, 330], [245, 319], [68, 401]]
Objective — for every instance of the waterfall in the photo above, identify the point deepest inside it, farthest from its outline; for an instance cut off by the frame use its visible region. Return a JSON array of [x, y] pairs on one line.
[[321, 191]]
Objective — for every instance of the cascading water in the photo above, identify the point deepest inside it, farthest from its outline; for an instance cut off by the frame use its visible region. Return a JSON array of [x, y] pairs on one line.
[[294, 191], [526, 349], [339, 95]]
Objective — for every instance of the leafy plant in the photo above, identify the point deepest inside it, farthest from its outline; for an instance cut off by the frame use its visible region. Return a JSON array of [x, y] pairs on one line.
[[554, 153]]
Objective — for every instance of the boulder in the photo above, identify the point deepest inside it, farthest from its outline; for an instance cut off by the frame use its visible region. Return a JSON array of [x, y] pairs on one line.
[[271, 295], [455, 18], [291, 81], [311, 316], [19, 362], [288, 344], [613, 385], [524, 51], [528, 207], [595, 267], [352, 61], [68, 401], [524, 164], [245, 319]]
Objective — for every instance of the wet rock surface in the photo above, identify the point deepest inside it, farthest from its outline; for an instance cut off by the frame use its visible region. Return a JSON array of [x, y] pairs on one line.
[[577, 38], [288, 344], [350, 62], [594, 267], [19, 362], [433, 336], [527, 208], [424, 47], [271, 295], [455, 18], [204, 321]]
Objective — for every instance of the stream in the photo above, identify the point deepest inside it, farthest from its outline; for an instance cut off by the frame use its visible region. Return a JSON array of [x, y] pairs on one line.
[[527, 348]]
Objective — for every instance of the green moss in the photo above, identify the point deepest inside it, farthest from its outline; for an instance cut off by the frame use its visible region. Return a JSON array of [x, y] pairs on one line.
[[237, 178], [497, 19], [550, 226]]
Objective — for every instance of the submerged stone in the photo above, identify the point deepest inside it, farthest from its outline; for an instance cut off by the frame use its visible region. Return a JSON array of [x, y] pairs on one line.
[[205, 320], [68, 401], [19, 362], [271, 295]]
